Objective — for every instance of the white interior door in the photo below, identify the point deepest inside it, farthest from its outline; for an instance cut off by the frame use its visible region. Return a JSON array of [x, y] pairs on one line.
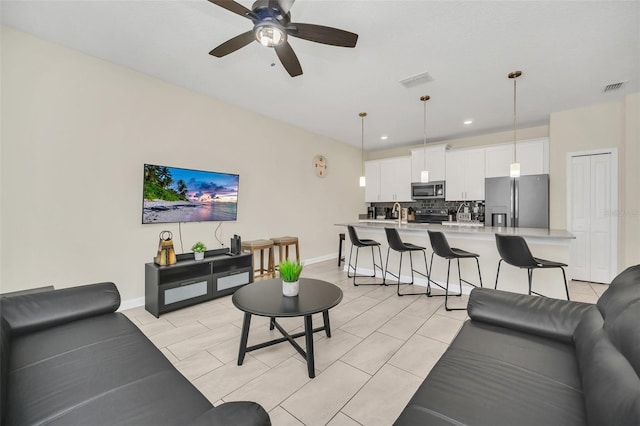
[[592, 195], [580, 206], [601, 268]]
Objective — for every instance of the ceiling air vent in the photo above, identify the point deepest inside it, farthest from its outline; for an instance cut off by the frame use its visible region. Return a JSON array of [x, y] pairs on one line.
[[614, 86], [416, 80]]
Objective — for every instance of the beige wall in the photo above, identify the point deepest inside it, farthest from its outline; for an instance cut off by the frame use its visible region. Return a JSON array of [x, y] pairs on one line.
[[76, 132], [630, 217], [602, 126]]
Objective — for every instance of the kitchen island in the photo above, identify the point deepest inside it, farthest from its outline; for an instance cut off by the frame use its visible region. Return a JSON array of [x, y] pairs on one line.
[[550, 244]]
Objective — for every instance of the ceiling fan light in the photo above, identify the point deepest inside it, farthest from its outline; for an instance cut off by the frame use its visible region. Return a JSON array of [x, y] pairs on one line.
[[270, 35]]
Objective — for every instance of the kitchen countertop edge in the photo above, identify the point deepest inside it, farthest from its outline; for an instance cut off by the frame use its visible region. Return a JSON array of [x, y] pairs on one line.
[[558, 234]]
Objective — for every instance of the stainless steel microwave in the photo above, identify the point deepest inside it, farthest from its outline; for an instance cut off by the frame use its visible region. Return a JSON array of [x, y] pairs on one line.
[[425, 191]]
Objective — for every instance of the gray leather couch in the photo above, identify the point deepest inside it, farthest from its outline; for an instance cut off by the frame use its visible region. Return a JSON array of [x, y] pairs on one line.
[[528, 360], [67, 358]]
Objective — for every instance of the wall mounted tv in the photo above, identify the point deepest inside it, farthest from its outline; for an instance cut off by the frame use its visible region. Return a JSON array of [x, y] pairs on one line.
[[172, 194]]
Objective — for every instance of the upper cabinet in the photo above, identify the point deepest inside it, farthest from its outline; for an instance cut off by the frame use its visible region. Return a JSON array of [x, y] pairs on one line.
[[388, 180], [372, 187], [435, 162], [533, 156], [465, 174]]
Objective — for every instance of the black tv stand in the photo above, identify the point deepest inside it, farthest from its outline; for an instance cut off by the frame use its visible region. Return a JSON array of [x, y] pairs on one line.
[[190, 281]]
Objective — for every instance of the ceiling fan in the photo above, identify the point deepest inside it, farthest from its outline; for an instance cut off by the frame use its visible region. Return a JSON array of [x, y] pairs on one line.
[[271, 27]]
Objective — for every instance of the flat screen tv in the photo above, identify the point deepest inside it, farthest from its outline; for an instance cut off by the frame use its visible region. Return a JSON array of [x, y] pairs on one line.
[[172, 194]]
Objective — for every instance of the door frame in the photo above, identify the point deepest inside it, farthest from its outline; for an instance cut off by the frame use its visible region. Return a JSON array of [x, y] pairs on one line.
[[613, 226]]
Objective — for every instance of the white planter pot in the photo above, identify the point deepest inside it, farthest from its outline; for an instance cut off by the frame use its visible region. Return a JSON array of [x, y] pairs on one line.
[[199, 256], [290, 289]]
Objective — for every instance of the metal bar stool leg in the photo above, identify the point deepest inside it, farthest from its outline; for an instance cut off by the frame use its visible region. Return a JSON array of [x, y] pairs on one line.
[[349, 265], [355, 266], [566, 288], [459, 277], [446, 291], [479, 274], [399, 272], [429, 276], [497, 275], [446, 306], [386, 266], [384, 281]]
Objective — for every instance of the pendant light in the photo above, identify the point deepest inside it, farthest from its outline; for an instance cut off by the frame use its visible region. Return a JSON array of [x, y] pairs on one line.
[[363, 179], [514, 169], [424, 174]]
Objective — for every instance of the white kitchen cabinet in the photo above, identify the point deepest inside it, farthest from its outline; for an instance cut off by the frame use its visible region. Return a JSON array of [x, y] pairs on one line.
[[465, 174], [372, 187], [388, 180], [533, 156], [498, 160], [435, 162]]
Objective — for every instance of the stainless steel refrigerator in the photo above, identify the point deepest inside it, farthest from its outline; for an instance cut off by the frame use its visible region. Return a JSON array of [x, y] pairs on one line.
[[519, 202]]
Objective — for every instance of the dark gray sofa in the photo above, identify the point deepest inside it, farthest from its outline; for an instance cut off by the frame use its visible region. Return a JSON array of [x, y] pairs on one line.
[[67, 358], [528, 360]]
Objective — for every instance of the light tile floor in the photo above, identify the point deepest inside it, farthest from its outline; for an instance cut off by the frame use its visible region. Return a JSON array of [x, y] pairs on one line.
[[382, 347]]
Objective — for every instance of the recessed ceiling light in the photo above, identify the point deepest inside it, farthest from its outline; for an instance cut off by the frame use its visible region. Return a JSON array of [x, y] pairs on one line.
[[384, 137], [468, 122]]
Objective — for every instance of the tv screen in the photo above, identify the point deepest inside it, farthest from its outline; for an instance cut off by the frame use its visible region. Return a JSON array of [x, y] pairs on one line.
[[172, 194]]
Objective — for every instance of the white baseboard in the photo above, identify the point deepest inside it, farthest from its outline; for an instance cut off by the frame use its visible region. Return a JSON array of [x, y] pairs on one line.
[[418, 280], [131, 303], [332, 256]]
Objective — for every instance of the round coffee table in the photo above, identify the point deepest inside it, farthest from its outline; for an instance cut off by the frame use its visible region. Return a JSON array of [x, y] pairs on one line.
[[265, 298]]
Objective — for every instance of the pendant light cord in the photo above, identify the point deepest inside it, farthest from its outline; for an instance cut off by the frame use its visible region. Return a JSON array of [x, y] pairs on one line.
[[514, 119], [514, 75], [424, 100], [424, 143], [362, 116]]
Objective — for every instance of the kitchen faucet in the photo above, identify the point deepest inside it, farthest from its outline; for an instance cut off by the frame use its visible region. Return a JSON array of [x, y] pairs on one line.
[[399, 212], [464, 217]]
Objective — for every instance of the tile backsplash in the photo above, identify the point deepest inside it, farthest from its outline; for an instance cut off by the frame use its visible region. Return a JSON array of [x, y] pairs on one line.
[[427, 204]]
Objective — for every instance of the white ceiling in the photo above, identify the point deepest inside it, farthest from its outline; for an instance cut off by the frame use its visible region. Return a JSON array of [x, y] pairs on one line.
[[568, 51]]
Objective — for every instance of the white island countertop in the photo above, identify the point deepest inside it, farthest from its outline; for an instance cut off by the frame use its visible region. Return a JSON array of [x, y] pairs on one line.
[[551, 244], [484, 232]]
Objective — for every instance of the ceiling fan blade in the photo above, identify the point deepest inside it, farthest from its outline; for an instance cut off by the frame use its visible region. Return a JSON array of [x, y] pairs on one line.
[[234, 7], [233, 44], [289, 59], [322, 34]]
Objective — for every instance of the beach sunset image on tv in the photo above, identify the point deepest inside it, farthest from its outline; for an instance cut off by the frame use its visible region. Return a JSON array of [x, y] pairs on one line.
[[172, 194]]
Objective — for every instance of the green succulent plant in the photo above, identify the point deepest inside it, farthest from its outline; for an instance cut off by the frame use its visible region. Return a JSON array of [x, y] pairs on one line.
[[199, 247], [289, 271]]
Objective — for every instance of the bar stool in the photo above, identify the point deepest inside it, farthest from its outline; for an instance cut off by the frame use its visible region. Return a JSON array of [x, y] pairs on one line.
[[284, 243], [396, 244], [514, 250], [357, 243], [441, 247], [340, 256], [261, 246]]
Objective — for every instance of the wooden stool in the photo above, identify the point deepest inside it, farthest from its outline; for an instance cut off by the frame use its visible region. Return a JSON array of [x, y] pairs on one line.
[[285, 242], [262, 245]]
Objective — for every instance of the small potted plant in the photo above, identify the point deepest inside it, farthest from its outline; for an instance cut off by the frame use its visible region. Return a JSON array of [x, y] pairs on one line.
[[290, 274], [198, 250]]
